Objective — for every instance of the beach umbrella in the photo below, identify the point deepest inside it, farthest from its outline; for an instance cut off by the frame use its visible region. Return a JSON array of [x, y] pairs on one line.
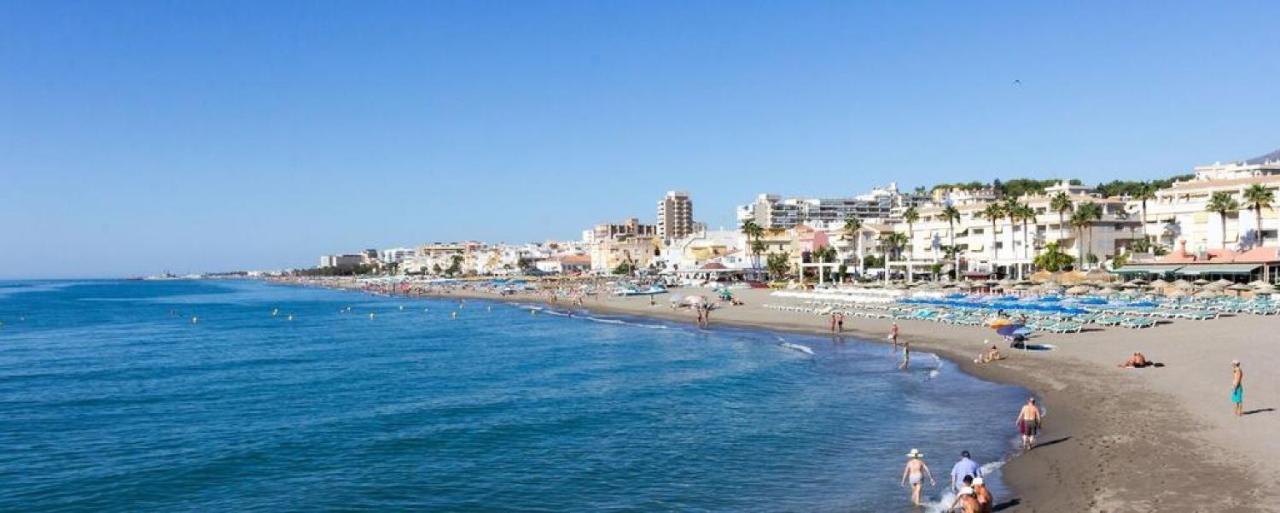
[[1176, 293], [1239, 288], [1265, 289], [1200, 282], [1136, 283], [1098, 275], [1107, 291], [1078, 289], [1207, 294], [1159, 283], [1225, 282], [1000, 322], [1182, 284], [1072, 277], [1041, 276]]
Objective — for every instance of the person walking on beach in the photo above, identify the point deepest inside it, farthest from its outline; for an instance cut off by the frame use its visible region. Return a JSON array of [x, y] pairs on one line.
[[916, 471], [893, 334], [1237, 387], [1028, 423], [839, 322], [966, 467]]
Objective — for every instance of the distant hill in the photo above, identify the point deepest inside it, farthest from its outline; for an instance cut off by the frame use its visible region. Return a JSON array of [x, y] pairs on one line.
[[1275, 155]]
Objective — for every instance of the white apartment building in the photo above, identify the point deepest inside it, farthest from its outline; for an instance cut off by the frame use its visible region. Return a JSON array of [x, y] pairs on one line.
[[1008, 250], [1177, 215], [675, 216], [773, 211]]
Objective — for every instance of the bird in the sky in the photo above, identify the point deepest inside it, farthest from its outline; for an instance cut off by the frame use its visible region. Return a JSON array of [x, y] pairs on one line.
[[1017, 82]]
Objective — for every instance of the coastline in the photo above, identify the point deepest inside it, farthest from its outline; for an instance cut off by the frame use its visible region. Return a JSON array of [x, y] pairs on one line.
[[1112, 441]]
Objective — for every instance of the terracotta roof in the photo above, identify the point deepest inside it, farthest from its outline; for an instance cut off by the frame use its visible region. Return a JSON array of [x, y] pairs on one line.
[[713, 266], [575, 259]]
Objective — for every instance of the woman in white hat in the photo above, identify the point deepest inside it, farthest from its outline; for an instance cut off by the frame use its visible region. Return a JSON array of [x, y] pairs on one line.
[[916, 471]]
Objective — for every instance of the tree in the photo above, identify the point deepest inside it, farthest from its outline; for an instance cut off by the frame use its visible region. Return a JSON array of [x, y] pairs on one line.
[[455, 265], [1222, 203], [1082, 220], [1061, 203], [891, 244], [911, 216], [952, 215], [994, 212], [1024, 213], [1144, 194], [1011, 211], [1052, 259], [624, 268], [753, 231], [823, 255], [777, 263], [853, 230], [1258, 197]]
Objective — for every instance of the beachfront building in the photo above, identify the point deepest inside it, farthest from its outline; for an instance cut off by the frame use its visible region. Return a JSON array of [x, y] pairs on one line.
[[347, 261], [611, 245], [1005, 249], [395, 255], [773, 211], [1179, 214], [675, 216], [631, 228], [699, 248]]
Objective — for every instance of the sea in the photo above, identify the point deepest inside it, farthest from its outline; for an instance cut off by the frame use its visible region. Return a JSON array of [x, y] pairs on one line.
[[250, 396]]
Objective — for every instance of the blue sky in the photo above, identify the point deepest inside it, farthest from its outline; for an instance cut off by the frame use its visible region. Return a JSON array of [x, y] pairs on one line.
[[143, 136]]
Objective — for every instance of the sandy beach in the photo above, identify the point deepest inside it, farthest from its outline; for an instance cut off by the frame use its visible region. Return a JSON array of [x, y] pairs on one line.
[[1115, 440]]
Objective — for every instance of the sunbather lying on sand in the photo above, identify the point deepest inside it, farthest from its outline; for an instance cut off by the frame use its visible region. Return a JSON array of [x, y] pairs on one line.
[[1137, 361]]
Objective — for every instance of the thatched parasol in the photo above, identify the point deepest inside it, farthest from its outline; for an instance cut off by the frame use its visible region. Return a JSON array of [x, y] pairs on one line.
[[1077, 290], [1207, 294], [1176, 293], [1200, 282], [1159, 284], [1071, 277], [1182, 284], [1099, 275], [1224, 282], [1041, 276]]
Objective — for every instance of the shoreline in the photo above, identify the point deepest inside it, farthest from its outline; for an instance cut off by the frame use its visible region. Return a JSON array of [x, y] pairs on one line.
[[1111, 442]]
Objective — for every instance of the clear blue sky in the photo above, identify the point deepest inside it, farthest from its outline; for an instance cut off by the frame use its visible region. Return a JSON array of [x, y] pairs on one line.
[[142, 136]]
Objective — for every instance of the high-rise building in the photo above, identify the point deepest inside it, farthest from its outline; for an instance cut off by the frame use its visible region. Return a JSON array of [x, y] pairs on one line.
[[675, 215]]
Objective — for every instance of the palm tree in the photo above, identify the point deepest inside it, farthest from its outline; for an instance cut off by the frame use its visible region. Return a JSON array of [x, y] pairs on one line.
[[1146, 192], [952, 215], [993, 213], [1258, 197], [823, 255], [911, 216], [891, 242], [1025, 213], [853, 230], [1222, 203], [1061, 203], [753, 230], [1082, 220]]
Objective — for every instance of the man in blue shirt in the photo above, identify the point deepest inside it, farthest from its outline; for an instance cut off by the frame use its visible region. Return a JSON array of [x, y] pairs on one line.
[[964, 467]]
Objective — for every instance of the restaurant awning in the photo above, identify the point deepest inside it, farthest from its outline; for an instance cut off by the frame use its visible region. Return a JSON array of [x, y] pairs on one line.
[[1196, 270], [1149, 268]]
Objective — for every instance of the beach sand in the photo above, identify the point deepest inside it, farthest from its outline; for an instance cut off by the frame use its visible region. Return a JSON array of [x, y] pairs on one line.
[[1114, 440]]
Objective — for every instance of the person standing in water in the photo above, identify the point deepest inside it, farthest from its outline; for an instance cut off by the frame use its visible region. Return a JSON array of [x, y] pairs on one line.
[[916, 471], [1028, 423], [906, 355], [1237, 387]]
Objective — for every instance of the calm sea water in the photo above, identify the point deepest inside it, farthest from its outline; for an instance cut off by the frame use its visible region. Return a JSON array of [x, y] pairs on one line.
[[112, 400]]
